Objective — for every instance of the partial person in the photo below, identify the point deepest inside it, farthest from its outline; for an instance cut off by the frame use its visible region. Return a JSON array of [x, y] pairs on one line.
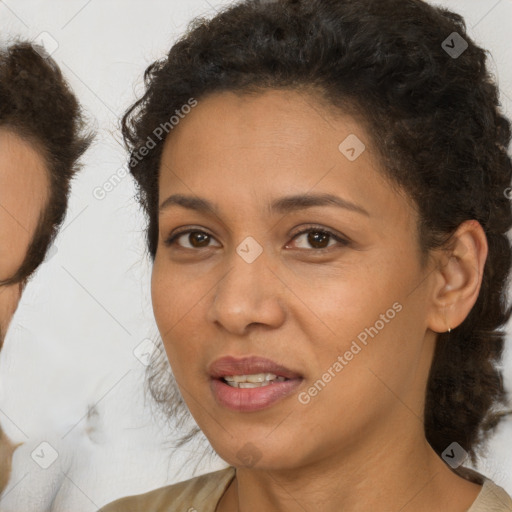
[[42, 136]]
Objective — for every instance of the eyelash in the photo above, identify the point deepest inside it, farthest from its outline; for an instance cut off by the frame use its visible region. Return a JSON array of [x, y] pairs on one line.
[[311, 229]]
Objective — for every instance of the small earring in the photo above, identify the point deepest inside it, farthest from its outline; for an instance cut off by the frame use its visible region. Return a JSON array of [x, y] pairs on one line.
[[449, 328]]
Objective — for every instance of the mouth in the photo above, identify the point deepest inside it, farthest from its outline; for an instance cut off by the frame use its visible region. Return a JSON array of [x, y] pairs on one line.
[[251, 384]]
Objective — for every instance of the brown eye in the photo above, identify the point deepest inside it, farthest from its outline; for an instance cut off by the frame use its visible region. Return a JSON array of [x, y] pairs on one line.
[[318, 239], [196, 239]]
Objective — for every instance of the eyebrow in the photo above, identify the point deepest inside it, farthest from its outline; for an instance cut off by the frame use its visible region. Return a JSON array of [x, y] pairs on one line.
[[282, 205]]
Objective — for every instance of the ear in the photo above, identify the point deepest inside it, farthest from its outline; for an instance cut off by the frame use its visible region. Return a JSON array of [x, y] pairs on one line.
[[457, 277]]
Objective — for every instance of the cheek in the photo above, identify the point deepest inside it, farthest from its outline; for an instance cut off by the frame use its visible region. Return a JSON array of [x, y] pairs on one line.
[[166, 295], [9, 299], [344, 307], [14, 243], [175, 305], [384, 361], [158, 298], [374, 324]]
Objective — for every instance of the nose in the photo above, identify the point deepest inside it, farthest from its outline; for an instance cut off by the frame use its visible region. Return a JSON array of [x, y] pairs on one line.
[[249, 294]]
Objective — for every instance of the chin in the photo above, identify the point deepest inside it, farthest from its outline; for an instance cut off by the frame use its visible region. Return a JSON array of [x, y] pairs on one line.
[[251, 455]]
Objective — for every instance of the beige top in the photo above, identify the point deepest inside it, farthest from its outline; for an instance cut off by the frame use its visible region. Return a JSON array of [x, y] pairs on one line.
[[203, 493]]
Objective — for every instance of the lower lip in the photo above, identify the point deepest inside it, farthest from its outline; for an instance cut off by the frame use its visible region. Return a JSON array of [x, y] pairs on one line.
[[252, 399]]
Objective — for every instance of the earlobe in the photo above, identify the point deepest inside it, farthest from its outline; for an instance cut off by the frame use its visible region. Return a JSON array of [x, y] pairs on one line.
[[439, 322], [449, 328], [459, 273]]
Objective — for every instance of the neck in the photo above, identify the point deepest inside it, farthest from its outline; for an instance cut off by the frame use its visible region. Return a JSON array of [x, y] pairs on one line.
[[402, 474]]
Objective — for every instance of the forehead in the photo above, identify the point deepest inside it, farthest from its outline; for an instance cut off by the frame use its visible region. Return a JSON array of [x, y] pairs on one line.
[[275, 132], [24, 190], [241, 149]]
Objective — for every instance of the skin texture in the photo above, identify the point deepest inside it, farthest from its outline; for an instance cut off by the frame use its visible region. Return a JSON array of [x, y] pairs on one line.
[[359, 444], [24, 193]]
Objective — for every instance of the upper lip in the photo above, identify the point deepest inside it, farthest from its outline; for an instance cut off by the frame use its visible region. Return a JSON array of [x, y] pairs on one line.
[[229, 365]]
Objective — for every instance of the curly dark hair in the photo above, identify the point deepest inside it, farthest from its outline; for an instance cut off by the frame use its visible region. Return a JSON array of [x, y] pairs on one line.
[[37, 105], [434, 118]]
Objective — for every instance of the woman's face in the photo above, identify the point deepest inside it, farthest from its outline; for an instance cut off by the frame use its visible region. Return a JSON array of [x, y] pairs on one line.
[[331, 291]]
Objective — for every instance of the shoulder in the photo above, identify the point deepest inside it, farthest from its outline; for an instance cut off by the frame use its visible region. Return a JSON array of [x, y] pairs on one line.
[[200, 493], [492, 498]]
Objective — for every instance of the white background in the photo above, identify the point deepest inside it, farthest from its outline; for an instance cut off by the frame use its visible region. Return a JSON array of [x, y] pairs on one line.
[[68, 375]]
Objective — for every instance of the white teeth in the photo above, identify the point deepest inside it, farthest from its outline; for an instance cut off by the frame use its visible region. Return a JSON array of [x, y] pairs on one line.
[[256, 377], [260, 377], [252, 381], [252, 384]]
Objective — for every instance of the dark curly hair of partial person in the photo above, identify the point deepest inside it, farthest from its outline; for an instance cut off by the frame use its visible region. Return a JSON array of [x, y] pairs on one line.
[[37, 105], [434, 118]]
